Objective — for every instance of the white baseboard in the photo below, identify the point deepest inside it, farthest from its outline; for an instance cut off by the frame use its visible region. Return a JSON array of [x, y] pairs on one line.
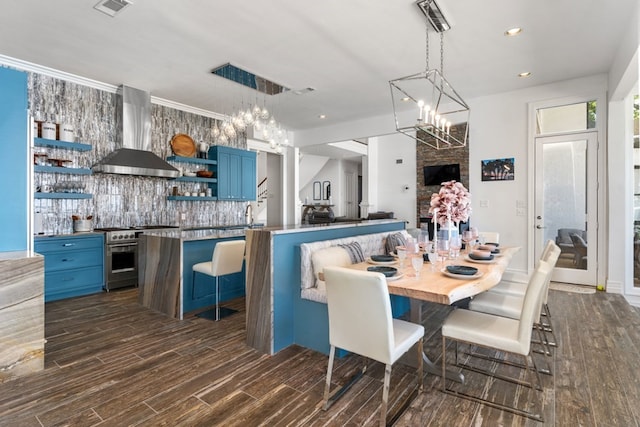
[[615, 287]]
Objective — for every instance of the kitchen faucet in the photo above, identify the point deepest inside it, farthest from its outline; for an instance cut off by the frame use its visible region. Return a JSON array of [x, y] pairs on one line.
[[248, 215]]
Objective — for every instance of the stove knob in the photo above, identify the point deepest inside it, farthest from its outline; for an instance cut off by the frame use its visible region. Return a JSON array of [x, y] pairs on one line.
[[119, 236]]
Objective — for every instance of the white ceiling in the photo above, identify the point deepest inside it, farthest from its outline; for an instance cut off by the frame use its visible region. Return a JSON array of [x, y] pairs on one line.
[[347, 50]]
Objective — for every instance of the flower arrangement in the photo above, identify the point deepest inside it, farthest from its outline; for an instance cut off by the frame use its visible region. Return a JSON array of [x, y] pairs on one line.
[[451, 203]]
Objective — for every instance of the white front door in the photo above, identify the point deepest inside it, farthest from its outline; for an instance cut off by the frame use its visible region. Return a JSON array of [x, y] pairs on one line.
[[566, 181]]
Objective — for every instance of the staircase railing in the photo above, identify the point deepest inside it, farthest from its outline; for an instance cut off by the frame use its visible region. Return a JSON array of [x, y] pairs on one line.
[[262, 190]]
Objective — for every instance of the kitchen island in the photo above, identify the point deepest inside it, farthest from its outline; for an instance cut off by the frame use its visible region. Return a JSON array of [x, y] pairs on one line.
[[21, 313], [165, 277], [277, 316]]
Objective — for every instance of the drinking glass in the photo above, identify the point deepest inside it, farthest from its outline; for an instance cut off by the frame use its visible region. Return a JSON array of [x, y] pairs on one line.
[[467, 238], [417, 262], [443, 249], [475, 233], [433, 259], [455, 244], [423, 240], [402, 254]]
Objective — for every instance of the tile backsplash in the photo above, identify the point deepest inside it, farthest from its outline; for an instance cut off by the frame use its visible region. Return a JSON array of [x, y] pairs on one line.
[[119, 200]]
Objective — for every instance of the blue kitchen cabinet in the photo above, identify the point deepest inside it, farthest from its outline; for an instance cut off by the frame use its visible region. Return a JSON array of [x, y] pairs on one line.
[[73, 265], [236, 173], [14, 161]]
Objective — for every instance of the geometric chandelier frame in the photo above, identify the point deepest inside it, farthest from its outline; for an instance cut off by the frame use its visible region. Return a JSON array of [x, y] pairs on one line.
[[425, 106]]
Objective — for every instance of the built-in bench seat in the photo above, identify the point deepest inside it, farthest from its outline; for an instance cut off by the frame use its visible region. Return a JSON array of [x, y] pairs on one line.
[[315, 256]]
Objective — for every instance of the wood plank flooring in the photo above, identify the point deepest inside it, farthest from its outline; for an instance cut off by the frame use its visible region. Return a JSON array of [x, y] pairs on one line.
[[110, 362]]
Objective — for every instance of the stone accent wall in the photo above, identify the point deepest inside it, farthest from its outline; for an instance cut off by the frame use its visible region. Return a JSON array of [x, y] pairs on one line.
[[427, 156], [120, 200]]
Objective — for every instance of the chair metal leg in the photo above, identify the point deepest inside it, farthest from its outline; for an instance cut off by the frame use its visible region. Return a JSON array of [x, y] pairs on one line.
[[217, 299], [385, 395], [330, 398], [420, 365], [327, 384], [511, 409]]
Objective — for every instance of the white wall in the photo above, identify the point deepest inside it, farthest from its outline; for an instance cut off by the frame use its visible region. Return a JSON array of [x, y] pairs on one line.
[[392, 177], [499, 128]]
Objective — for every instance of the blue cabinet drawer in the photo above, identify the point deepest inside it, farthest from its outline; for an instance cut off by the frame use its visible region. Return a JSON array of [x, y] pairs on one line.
[[55, 244], [72, 283], [67, 260]]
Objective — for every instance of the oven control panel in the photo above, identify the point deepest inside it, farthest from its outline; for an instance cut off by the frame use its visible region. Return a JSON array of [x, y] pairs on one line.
[[121, 236]]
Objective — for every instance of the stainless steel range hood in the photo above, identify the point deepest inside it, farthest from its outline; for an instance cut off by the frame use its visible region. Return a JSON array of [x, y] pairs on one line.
[[133, 125]]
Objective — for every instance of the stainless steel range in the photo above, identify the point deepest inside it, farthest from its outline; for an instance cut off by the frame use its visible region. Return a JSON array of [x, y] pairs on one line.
[[121, 254]]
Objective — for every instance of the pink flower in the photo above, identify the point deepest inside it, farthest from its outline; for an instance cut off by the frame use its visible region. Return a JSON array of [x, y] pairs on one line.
[[453, 203]]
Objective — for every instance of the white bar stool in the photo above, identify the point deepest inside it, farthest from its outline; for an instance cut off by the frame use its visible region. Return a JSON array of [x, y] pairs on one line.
[[227, 258]]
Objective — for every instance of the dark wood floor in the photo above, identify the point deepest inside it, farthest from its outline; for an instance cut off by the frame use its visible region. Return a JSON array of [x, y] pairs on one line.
[[110, 362]]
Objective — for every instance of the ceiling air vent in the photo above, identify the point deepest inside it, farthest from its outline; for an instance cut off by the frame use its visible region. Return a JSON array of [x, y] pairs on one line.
[[111, 7], [434, 14]]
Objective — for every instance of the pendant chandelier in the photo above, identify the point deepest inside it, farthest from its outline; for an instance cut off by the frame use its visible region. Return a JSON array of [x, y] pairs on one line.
[[257, 119], [425, 106]]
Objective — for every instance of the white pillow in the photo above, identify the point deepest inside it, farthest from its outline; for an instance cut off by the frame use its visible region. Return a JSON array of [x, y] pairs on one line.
[[332, 256]]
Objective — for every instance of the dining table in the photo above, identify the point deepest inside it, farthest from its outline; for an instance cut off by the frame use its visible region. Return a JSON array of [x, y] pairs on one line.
[[439, 286]]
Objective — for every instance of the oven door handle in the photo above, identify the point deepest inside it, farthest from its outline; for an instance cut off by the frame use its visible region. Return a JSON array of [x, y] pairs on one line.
[[123, 245]]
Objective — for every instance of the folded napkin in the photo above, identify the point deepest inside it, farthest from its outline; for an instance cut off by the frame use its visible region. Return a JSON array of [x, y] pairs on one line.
[[481, 255], [462, 269]]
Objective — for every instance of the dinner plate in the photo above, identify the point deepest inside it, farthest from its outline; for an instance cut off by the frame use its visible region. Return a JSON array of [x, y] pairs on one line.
[[396, 277], [387, 271], [481, 261], [461, 276], [383, 258], [462, 269], [370, 261]]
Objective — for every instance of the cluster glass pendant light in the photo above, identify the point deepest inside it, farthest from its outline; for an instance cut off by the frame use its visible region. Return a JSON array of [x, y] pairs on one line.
[[425, 106], [258, 117]]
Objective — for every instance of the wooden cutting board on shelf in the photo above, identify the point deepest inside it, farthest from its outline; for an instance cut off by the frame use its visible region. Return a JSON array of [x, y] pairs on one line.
[[182, 145]]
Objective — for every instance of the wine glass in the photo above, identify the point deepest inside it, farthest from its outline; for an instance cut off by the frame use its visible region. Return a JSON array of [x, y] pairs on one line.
[[433, 258], [402, 254], [443, 249], [475, 233], [417, 262], [455, 244], [467, 238], [423, 240]]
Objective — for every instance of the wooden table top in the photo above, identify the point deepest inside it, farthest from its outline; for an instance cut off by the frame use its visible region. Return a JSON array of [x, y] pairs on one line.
[[434, 286]]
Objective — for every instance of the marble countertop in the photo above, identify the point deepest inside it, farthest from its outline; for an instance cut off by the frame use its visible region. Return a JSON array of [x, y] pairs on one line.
[[301, 228], [13, 255], [79, 234], [198, 234]]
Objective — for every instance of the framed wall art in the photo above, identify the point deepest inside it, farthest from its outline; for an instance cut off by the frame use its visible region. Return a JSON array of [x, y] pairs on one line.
[[498, 169]]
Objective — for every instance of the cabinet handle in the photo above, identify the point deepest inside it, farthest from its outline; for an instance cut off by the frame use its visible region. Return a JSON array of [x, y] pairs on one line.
[[68, 244], [67, 259]]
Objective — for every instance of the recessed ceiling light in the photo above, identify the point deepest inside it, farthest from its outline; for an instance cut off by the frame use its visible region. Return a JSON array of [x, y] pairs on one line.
[[405, 99], [322, 116], [513, 31], [525, 74]]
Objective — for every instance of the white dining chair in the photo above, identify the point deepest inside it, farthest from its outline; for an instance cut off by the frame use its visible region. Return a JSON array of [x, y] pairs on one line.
[[489, 236], [518, 290], [511, 306], [227, 258], [360, 322], [502, 334]]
